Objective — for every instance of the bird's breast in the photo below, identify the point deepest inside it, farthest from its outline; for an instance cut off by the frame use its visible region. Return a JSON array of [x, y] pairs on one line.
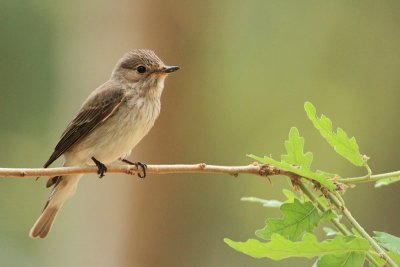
[[121, 132]]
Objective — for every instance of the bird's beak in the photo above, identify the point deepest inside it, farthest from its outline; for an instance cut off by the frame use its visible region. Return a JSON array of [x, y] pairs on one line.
[[169, 69]]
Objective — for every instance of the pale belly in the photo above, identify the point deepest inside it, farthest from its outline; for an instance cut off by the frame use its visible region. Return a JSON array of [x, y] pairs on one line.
[[116, 137]]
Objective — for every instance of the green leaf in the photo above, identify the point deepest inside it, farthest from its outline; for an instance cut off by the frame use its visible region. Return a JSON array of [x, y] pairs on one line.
[[280, 248], [289, 195], [294, 147], [350, 259], [328, 174], [304, 172], [388, 241], [343, 145], [380, 262], [395, 257], [266, 203], [328, 215], [323, 200], [296, 161], [387, 181], [297, 218]]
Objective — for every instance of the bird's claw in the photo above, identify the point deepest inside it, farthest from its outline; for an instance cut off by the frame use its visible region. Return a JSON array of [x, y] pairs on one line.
[[144, 167], [101, 168], [138, 165]]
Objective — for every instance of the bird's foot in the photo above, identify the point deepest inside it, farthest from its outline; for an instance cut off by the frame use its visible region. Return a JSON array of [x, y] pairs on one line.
[[138, 164], [100, 166]]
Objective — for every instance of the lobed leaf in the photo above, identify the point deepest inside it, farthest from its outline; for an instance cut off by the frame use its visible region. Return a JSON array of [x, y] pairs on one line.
[[289, 195], [328, 174], [304, 172], [328, 215], [343, 145], [388, 241], [294, 147], [379, 261], [280, 248], [297, 218], [297, 161], [350, 259]]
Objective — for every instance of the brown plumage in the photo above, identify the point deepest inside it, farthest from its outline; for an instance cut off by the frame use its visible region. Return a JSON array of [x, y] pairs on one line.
[[91, 115], [114, 118]]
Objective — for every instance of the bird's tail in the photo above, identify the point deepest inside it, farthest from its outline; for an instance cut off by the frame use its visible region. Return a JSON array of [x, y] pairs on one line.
[[64, 187]]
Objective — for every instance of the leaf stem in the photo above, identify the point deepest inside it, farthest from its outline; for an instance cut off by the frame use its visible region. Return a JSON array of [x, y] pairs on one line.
[[368, 170], [382, 253], [336, 222], [368, 178], [342, 228]]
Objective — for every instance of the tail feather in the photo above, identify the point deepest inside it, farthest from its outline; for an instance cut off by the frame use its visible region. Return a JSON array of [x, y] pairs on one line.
[[44, 223], [53, 181], [63, 188]]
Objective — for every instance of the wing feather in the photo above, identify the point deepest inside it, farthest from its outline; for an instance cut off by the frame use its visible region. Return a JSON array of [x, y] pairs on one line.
[[96, 110]]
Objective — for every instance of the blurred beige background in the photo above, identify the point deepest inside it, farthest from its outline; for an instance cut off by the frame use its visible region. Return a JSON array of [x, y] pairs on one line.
[[247, 68]]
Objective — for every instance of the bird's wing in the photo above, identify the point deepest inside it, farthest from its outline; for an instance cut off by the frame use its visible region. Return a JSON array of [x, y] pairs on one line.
[[96, 110]]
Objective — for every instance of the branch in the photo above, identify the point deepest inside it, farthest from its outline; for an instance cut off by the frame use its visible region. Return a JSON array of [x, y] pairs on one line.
[[336, 222], [336, 200], [255, 169], [369, 178]]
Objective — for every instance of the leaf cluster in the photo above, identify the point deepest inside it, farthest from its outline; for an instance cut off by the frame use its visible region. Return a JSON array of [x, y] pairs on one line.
[[293, 235]]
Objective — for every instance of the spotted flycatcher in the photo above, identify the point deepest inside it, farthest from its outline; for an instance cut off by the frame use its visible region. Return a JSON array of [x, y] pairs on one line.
[[112, 120]]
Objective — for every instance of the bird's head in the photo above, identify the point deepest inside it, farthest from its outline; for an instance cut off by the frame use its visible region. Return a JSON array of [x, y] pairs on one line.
[[143, 68]]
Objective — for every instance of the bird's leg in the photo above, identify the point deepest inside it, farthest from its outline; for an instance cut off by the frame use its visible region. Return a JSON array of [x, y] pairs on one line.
[[138, 164], [101, 167]]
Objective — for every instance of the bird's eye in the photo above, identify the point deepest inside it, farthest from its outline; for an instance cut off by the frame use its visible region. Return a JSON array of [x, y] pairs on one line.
[[141, 69]]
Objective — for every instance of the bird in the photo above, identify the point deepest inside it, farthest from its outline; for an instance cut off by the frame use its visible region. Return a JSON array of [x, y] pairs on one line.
[[110, 123]]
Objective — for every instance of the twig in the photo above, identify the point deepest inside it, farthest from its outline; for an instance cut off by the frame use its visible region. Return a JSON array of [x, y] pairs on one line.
[[368, 178], [255, 168], [382, 253], [336, 222]]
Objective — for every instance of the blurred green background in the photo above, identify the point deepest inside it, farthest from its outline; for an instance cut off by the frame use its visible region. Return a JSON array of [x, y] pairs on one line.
[[247, 69]]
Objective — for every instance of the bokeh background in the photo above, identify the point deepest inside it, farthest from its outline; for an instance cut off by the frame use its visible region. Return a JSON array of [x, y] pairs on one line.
[[247, 69]]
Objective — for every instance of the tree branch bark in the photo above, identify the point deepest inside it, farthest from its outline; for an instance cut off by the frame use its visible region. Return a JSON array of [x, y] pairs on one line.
[[255, 169]]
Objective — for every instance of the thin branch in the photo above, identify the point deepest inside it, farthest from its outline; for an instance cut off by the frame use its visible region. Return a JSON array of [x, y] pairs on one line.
[[256, 169], [369, 178], [336, 222], [382, 253]]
